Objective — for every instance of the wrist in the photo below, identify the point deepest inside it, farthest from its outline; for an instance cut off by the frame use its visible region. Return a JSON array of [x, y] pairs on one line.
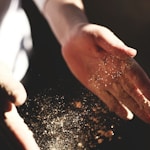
[[63, 17], [74, 32]]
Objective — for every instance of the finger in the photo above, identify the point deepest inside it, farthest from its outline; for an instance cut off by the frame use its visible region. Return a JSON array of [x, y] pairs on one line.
[[20, 130], [112, 44], [8, 141], [13, 90], [115, 106], [139, 78], [18, 92], [10, 89], [118, 92], [137, 95]]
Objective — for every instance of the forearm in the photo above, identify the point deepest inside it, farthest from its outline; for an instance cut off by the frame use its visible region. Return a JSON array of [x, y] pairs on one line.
[[63, 16]]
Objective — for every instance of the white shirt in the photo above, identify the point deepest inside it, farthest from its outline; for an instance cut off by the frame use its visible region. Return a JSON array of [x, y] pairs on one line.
[[15, 39]]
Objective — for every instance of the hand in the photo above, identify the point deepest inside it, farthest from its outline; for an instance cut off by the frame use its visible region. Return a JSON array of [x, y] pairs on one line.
[[10, 89], [104, 65], [17, 131], [13, 93]]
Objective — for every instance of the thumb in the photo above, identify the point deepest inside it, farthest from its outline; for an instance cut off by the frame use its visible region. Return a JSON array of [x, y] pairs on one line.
[[109, 42]]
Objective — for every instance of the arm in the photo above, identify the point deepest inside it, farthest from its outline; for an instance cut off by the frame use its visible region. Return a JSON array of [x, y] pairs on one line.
[[62, 15], [99, 60], [66, 17]]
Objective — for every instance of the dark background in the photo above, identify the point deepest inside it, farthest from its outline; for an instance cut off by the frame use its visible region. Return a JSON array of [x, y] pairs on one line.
[[128, 19]]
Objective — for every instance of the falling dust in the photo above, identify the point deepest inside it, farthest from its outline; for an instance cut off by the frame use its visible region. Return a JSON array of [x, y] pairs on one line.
[[61, 122], [106, 71]]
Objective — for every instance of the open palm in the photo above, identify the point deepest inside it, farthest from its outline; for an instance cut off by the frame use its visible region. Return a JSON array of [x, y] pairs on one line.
[[104, 64]]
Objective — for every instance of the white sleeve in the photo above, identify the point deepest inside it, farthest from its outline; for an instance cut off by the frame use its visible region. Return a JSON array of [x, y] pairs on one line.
[[14, 46], [40, 4]]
